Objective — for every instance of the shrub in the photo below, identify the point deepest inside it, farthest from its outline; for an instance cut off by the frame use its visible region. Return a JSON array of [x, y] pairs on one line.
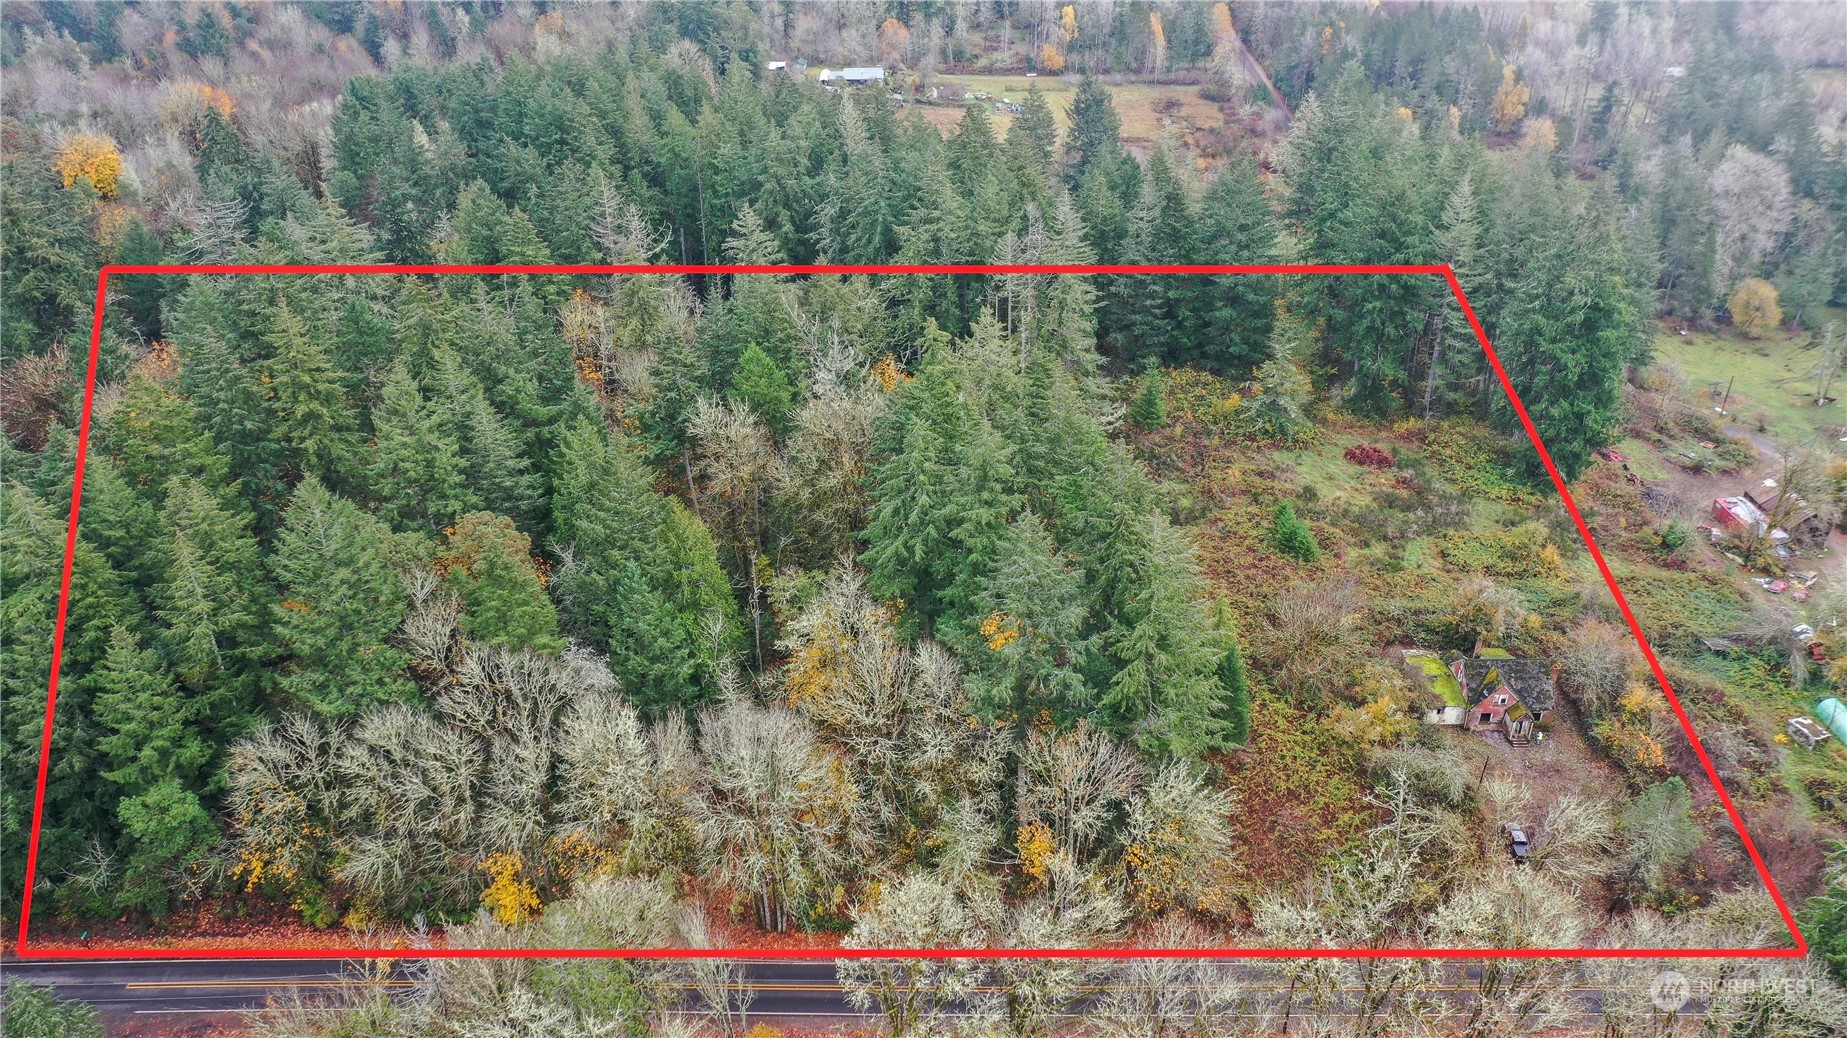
[[1368, 456], [1519, 552], [1673, 537], [1292, 535], [31, 1011]]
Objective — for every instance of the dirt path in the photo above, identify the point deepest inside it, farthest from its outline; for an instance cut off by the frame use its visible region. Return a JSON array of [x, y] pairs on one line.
[[1255, 68], [1766, 446]]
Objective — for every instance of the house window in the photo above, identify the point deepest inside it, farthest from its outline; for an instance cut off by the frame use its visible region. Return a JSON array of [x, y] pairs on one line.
[[1487, 718], [1500, 700]]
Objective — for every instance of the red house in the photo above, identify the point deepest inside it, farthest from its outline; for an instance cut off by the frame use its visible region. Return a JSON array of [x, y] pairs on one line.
[[1505, 694]]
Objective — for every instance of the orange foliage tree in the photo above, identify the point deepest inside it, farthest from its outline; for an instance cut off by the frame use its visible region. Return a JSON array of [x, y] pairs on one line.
[[1157, 42], [894, 40], [1222, 28], [91, 157], [1050, 60]]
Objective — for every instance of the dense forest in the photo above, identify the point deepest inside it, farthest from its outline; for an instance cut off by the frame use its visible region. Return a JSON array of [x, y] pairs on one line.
[[870, 606]]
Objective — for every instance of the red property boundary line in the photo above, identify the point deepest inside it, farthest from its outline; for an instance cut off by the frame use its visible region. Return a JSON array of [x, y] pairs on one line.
[[27, 951]]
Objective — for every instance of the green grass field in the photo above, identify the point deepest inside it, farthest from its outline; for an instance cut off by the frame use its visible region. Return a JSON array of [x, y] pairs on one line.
[[1773, 379], [1143, 106]]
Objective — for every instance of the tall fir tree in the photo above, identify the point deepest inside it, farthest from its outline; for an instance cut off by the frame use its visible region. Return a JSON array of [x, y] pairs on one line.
[[499, 473], [1236, 226], [32, 542], [416, 471], [146, 722], [313, 419], [763, 387], [1096, 127], [342, 598], [1166, 693], [617, 587]]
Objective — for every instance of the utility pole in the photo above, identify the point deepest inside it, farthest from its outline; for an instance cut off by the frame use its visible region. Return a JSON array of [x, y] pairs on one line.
[[1830, 363]]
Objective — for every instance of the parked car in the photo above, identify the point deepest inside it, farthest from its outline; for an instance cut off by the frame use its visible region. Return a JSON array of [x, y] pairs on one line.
[[1517, 845]]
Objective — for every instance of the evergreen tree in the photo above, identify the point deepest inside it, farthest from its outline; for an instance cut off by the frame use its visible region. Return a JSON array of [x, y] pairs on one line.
[[499, 473], [489, 563], [1237, 310], [342, 599], [1095, 130], [1360, 191], [313, 420], [120, 522], [1149, 410], [210, 601], [940, 509], [1034, 134], [362, 344], [32, 542], [707, 608], [1153, 318], [416, 471], [239, 420], [33, 1011], [1280, 410], [863, 203], [1029, 635], [760, 385], [1234, 682], [1292, 536], [155, 434], [1562, 318], [168, 831], [1167, 692], [929, 234], [145, 719], [1105, 218], [616, 588]]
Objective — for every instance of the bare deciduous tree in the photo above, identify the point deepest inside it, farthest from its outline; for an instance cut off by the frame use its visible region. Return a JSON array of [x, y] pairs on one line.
[[916, 910], [1074, 782], [1506, 907], [771, 808]]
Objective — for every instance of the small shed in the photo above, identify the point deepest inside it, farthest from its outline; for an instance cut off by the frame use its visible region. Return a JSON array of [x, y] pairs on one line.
[[1739, 513], [1799, 521], [1807, 732]]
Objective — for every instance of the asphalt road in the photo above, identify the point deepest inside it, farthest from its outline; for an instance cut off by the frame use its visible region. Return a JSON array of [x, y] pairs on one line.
[[126, 989], [178, 986]]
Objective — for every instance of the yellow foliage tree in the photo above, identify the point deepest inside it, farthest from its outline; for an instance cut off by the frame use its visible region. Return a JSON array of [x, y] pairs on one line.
[[1157, 42], [1541, 134], [91, 157], [512, 898], [1050, 60], [885, 373], [1754, 307], [1034, 843], [1509, 102], [1067, 22]]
